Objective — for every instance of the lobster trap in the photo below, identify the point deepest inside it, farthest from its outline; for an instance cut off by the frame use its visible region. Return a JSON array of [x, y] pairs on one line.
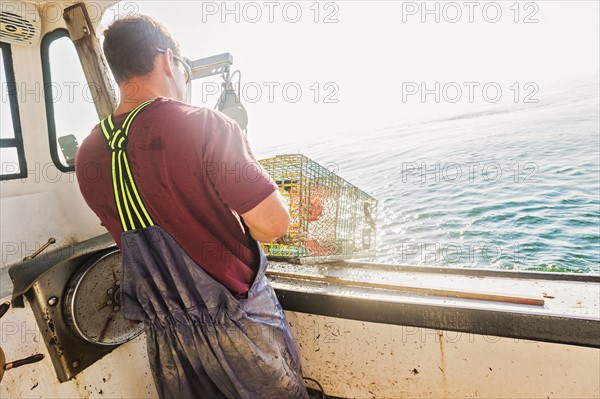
[[331, 219]]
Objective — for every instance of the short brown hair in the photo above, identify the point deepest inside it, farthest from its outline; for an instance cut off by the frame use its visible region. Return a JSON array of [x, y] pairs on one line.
[[130, 45]]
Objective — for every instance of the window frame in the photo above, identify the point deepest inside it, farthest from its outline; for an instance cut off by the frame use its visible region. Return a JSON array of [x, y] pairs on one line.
[[47, 40], [17, 140]]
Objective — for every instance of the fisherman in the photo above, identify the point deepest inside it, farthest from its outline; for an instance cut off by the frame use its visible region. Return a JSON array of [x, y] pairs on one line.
[[177, 194]]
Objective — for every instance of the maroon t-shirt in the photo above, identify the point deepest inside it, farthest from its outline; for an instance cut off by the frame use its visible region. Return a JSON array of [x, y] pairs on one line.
[[195, 174]]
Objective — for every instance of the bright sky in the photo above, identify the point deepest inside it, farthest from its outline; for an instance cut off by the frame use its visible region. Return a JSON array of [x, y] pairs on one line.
[[358, 65]]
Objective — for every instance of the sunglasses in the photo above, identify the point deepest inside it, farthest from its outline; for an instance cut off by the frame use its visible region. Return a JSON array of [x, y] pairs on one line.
[[187, 68]]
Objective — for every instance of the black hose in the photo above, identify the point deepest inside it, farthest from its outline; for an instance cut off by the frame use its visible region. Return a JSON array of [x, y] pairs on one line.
[[323, 395]]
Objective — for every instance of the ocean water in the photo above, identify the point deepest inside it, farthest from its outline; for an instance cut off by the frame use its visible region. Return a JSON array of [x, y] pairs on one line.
[[512, 186]]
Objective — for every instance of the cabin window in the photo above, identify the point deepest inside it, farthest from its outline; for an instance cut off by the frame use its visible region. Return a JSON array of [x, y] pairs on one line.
[[70, 110], [12, 156]]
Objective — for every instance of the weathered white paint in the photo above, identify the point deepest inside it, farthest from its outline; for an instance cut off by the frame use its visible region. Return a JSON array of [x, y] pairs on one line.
[[123, 373], [361, 360], [47, 203], [25, 230], [350, 358]]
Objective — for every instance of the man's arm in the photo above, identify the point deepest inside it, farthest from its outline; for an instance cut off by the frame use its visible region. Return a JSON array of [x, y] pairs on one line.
[[269, 219], [225, 146]]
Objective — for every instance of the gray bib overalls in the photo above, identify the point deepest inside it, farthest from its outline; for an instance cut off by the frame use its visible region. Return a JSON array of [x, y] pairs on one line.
[[202, 342]]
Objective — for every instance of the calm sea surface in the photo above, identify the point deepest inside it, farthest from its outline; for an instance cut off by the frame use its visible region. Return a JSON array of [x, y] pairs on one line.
[[513, 187]]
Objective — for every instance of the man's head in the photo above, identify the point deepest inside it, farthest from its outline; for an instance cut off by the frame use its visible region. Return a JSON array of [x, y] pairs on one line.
[[132, 45]]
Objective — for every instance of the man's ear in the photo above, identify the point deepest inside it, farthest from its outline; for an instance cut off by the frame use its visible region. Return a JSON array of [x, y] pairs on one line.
[[166, 64]]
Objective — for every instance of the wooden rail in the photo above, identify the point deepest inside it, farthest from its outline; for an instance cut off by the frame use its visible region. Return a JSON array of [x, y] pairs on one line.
[[482, 296]]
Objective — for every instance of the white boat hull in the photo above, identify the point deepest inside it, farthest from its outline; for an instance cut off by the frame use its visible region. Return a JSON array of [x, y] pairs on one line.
[[350, 358]]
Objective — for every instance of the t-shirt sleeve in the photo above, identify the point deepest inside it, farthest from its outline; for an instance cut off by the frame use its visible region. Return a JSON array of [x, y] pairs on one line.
[[241, 182]]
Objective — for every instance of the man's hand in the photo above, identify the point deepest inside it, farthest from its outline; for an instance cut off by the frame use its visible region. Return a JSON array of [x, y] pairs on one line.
[[288, 240]]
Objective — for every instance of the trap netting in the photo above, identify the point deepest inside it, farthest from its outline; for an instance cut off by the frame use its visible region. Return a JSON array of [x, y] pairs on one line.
[[331, 218]]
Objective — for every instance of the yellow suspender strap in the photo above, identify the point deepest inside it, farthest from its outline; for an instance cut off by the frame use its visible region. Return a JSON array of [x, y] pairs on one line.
[[131, 209]]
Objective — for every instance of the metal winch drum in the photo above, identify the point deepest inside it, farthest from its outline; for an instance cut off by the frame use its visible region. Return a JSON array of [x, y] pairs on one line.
[[75, 296], [92, 302]]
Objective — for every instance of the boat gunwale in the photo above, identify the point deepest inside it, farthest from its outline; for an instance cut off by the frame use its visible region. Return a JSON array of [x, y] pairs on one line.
[[560, 329], [475, 272]]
